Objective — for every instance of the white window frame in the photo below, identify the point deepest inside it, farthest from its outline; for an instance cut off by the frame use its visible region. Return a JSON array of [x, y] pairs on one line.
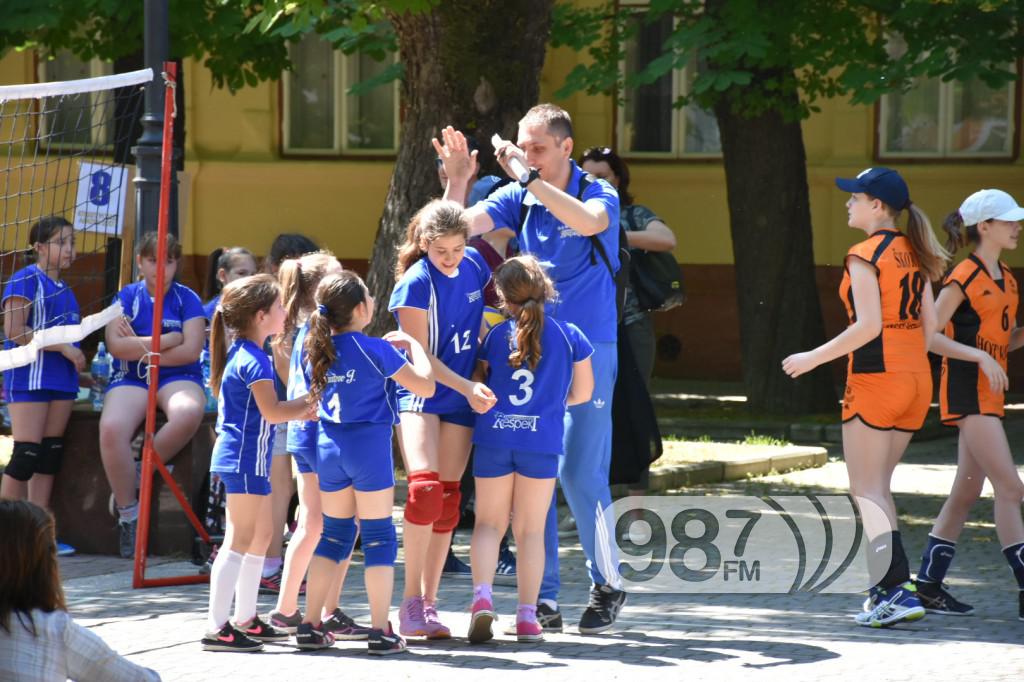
[[97, 68], [339, 145], [945, 125], [680, 87]]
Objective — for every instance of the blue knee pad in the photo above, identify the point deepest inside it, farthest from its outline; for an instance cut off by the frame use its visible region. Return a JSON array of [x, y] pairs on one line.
[[380, 542], [337, 539]]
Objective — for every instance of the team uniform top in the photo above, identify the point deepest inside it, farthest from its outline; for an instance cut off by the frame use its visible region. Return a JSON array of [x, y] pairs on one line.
[[244, 437], [211, 306], [901, 346], [301, 434], [586, 291], [359, 385], [53, 305], [455, 308], [984, 320], [530, 411], [181, 304]]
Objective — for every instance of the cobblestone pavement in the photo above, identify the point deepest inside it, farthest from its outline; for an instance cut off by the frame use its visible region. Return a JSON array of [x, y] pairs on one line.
[[658, 636]]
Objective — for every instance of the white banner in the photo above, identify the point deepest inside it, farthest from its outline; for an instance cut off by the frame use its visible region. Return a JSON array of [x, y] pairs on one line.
[[100, 203]]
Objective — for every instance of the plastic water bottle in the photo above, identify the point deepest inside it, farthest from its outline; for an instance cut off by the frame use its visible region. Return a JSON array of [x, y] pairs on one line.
[[100, 371], [211, 402]]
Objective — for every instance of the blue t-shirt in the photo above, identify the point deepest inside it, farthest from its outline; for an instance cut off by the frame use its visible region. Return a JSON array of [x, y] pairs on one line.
[[244, 437], [181, 304], [52, 305], [210, 306], [359, 385], [455, 308], [586, 290], [530, 411]]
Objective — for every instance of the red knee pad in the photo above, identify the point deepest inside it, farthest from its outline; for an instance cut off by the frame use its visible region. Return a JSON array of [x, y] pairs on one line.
[[426, 498], [450, 508]]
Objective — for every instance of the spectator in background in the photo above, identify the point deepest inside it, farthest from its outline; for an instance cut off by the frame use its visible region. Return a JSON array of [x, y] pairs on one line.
[[38, 639], [222, 266]]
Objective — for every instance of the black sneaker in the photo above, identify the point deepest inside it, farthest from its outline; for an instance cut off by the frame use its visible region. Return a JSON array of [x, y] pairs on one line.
[[1020, 606], [230, 638], [343, 627], [312, 638], [935, 599], [454, 567], [550, 619], [263, 632], [505, 573], [284, 622], [126, 542], [603, 609], [384, 642]]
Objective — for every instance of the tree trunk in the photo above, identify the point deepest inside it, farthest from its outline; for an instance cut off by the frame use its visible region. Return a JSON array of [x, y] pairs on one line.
[[462, 68], [779, 308]]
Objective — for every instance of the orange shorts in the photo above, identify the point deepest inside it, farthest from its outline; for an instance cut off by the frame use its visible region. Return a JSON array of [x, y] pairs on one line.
[[964, 390], [888, 400]]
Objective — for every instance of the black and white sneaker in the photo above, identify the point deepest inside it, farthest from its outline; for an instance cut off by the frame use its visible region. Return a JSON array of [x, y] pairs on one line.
[[550, 619], [312, 638], [384, 642], [126, 538], [230, 638], [343, 627], [603, 609], [263, 632], [935, 599], [1020, 605]]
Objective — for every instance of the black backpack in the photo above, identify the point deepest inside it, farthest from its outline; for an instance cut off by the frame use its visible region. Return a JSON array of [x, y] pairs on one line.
[[621, 278], [655, 277]]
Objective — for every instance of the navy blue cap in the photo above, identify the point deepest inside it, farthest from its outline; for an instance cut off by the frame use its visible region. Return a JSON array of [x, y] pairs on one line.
[[881, 183]]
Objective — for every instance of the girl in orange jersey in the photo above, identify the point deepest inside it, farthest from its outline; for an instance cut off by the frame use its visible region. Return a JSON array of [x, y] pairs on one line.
[[978, 308], [888, 296]]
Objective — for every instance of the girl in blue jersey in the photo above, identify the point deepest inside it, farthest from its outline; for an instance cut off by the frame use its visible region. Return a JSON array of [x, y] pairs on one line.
[[537, 366], [438, 301], [248, 408], [224, 266], [299, 279], [40, 394], [180, 397], [352, 376]]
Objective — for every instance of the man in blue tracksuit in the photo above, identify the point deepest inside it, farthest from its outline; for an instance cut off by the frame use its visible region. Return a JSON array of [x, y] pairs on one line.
[[558, 224]]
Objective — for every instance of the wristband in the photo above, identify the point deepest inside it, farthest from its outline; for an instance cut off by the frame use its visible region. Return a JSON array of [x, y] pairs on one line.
[[534, 174]]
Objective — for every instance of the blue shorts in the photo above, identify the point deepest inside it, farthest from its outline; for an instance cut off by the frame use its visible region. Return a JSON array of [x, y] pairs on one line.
[[465, 418], [244, 484], [491, 462], [357, 455], [133, 380], [302, 438], [40, 395]]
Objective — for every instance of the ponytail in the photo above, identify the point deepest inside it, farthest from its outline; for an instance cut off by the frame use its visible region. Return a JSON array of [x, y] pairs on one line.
[[529, 328], [213, 285], [321, 353], [439, 218], [289, 275], [409, 252], [959, 235], [931, 255], [218, 350]]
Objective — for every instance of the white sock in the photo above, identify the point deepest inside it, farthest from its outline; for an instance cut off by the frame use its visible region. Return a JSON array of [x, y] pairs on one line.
[[248, 588], [223, 577], [271, 565]]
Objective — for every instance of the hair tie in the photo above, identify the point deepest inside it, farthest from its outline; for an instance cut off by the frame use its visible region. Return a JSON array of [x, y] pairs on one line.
[[322, 309]]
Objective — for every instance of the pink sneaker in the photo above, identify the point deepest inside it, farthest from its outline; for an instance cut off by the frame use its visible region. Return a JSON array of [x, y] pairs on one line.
[[480, 621], [529, 631], [435, 628], [410, 618]]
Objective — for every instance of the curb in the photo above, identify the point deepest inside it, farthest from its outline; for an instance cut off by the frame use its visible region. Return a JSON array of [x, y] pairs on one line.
[[796, 433]]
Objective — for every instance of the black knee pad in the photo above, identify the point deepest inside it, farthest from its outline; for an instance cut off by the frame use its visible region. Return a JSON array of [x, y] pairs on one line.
[[51, 454], [24, 461]]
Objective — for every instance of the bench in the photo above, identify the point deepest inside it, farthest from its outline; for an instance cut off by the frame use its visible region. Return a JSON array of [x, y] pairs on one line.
[[81, 494]]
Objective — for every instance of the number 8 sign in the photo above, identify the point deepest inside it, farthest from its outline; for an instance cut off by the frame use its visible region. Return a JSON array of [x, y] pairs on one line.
[[100, 200]]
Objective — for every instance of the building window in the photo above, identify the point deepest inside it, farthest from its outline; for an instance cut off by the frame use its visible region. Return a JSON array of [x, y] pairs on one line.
[[648, 123], [82, 120], [321, 118], [948, 121]]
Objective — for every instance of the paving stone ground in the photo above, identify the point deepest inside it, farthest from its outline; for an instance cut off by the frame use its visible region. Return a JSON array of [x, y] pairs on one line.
[[658, 636]]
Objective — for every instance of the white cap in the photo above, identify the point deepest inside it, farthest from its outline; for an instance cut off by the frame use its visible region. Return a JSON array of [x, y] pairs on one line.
[[990, 204]]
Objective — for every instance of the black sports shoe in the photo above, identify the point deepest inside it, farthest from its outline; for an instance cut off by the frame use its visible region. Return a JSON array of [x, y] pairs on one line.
[[935, 599], [263, 632], [550, 619], [312, 638], [1020, 607], [343, 627], [384, 642], [603, 609], [230, 638]]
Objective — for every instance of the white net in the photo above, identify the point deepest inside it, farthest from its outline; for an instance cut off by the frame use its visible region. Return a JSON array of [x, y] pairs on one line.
[[65, 186]]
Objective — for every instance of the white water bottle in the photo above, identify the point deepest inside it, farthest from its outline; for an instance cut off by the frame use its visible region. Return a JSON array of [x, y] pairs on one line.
[[514, 163]]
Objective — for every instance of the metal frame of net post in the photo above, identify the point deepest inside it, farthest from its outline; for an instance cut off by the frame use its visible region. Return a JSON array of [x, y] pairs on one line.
[[149, 456]]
